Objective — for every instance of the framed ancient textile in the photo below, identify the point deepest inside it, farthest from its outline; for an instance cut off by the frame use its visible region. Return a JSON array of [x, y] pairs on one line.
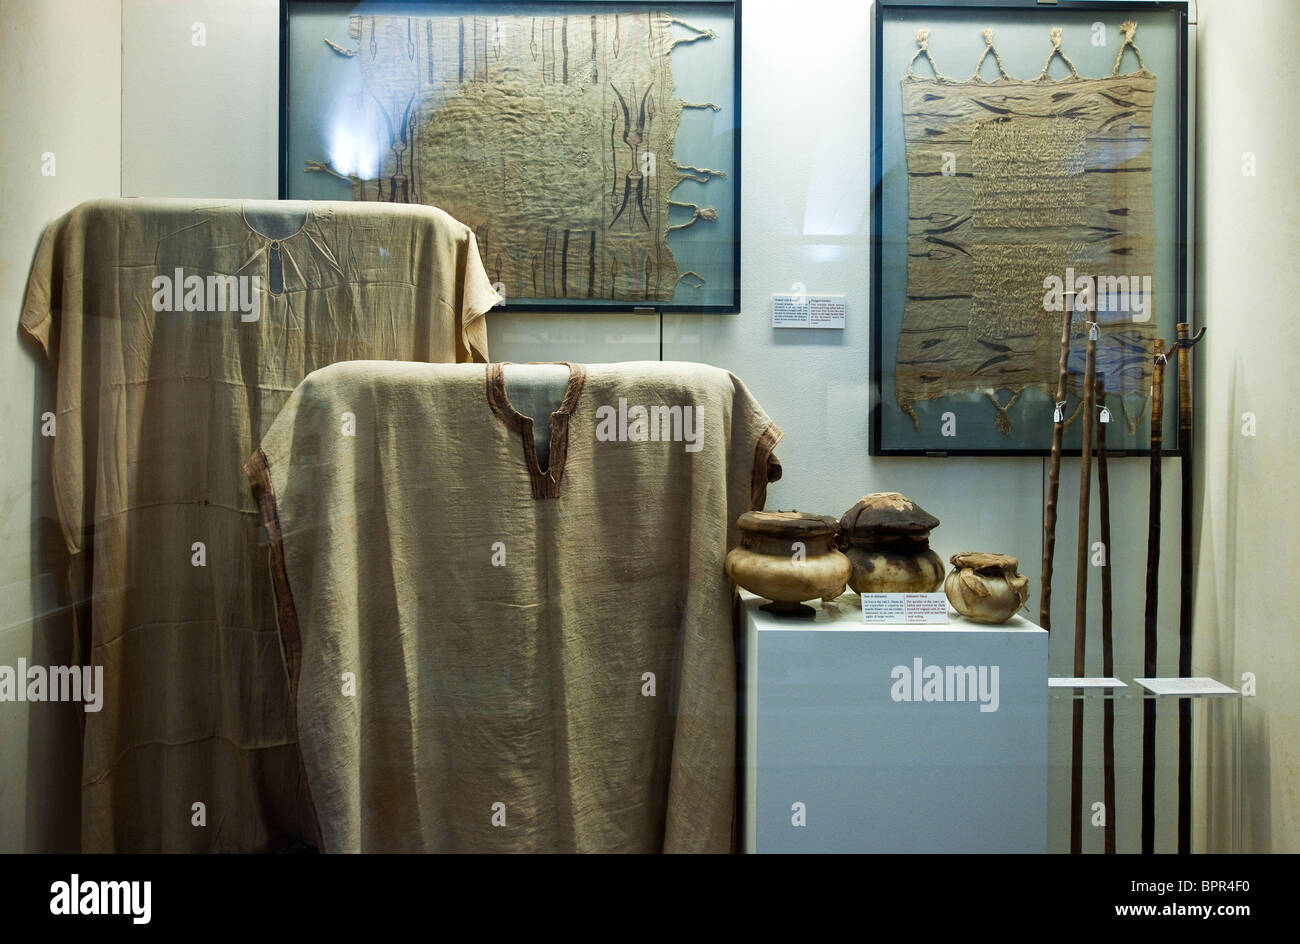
[[593, 148], [1026, 158]]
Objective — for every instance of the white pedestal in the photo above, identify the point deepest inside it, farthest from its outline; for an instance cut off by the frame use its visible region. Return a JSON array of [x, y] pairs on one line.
[[839, 737]]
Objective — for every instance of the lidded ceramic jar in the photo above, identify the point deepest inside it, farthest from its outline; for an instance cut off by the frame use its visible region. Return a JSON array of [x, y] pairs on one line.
[[788, 557], [984, 587], [887, 538]]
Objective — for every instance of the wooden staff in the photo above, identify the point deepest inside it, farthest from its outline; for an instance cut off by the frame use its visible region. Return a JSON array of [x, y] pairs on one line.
[[1185, 342], [1054, 477], [1153, 591], [1081, 589], [1107, 644]]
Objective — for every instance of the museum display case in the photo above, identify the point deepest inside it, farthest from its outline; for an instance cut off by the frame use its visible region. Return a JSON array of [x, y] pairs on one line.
[[413, 447]]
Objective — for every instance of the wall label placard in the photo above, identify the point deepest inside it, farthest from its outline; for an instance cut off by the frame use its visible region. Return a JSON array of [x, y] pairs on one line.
[[930, 608], [808, 311]]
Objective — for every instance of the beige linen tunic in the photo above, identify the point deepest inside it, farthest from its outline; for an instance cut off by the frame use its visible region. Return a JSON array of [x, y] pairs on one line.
[[486, 655], [157, 411]]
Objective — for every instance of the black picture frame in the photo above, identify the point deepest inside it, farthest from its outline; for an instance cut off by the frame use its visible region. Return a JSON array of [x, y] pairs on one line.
[[566, 306], [879, 444]]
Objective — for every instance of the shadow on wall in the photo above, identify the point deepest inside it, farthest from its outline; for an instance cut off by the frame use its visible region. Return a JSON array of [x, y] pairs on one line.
[[1214, 652], [1230, 562], [54, 728], [1256, 781]]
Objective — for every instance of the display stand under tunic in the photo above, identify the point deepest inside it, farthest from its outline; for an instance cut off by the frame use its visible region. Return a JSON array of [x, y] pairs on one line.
[[488, 653], [178, 329]]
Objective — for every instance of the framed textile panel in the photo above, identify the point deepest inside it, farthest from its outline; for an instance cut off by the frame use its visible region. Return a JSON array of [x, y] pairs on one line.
[[593, 148], [1026, 159]]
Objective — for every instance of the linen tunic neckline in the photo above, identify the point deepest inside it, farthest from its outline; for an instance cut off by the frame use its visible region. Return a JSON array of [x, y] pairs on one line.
[[306, 218], [545, 482]]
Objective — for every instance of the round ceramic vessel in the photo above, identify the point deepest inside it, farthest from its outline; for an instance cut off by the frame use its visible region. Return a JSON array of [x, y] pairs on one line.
[[888, 571], [985, 588], [788, 557]]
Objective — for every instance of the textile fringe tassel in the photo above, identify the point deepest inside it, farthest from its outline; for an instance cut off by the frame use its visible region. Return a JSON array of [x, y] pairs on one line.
[[988, 48], [324, 167], [699, 33], [922, 40], [1128, 28], [1129, 418], [341, 50], [1075, 415], [697, 213], [700, 175], [1056, 51], [1003, 420]]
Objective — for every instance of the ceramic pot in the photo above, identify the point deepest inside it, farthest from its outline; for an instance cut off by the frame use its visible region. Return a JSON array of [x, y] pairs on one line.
[[888, 544], [882, 571], [986, 588], [788, 557]]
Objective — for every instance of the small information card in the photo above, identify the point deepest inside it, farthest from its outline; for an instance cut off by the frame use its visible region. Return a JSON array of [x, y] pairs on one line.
[[1073, 681], [904, 608], [808, 311], [1185, 687]]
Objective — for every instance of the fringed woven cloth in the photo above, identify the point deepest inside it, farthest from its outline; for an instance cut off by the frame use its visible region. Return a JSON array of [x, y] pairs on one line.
[[1020, 194], [551, 136]]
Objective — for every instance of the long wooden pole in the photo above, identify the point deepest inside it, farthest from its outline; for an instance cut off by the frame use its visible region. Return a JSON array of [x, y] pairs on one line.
[[1107, 637], [1185, 589], [1054, 476], [1153, 590], [1081, 591]]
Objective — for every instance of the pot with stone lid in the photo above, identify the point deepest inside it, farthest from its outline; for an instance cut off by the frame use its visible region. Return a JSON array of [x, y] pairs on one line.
[[887, 538], [788, 557]]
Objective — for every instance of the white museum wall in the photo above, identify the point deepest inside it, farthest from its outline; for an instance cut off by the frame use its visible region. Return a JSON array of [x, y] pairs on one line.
[[60, 93], [221, 139], [1249, 278], [805, 201]]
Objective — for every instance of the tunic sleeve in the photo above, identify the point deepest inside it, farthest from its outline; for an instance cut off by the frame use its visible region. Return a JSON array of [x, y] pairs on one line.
[[52, 316], [754, 434], [37, 317], [477, 297]]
